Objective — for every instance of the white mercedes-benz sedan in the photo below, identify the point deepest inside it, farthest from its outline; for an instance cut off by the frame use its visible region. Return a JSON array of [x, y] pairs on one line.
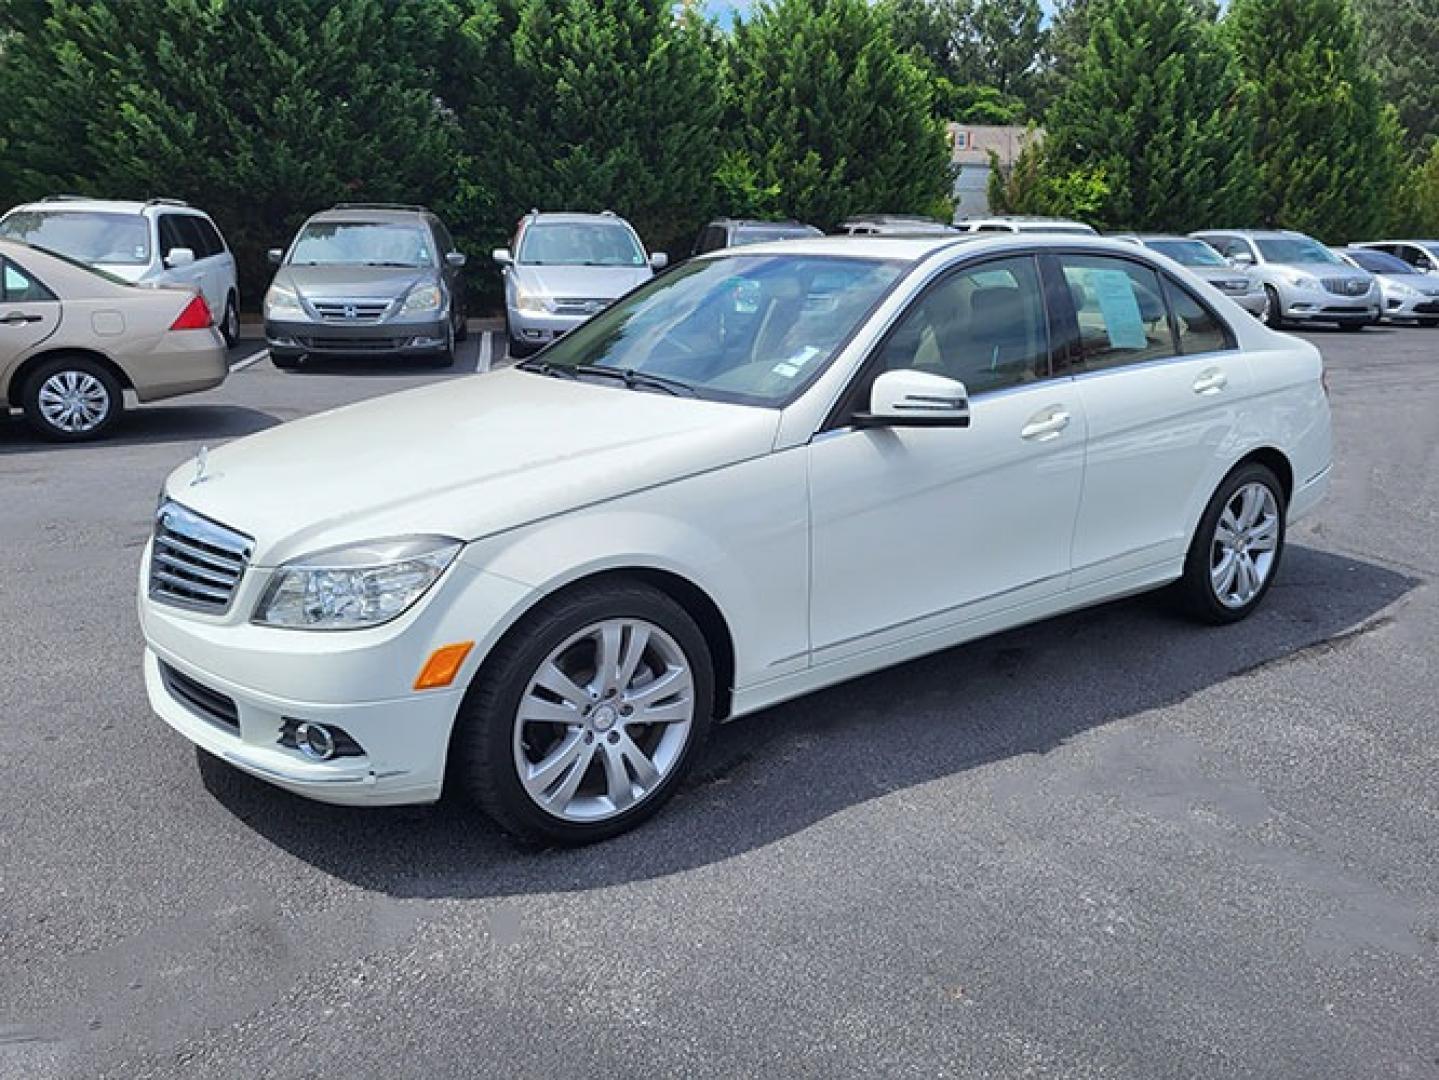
[[765, 472]]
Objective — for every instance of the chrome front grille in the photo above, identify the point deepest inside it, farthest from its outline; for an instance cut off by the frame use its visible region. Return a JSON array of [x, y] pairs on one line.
[[578, 305], [194, 562], [351, 311], [1346, 286]]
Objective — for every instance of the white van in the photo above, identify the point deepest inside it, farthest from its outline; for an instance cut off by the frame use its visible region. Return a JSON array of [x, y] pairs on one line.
[[159, 240]]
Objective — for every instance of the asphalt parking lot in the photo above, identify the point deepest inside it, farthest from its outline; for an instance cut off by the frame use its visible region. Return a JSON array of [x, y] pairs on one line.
[[1112, 845]]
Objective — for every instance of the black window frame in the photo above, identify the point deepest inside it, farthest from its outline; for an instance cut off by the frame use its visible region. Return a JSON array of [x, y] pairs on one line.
[[841, 414], [210, 231], [48, 298]]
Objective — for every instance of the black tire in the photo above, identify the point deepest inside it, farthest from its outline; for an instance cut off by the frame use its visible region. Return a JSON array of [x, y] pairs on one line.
[[462, 330], [1429, 323], [447, 357], [482, 754], [1352, 327], [107, 392], [284, 363], [230, 322], [1195, 590], [1274, 314]]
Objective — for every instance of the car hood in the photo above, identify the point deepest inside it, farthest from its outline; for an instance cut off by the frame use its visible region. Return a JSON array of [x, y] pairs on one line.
[[1427, 284], [1326, 270], [353, 282], [465, 458], [581, 282]]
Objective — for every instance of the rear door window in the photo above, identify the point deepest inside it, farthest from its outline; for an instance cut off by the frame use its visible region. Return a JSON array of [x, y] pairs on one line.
[[19, 287], [1123, 318], [1199, 329]]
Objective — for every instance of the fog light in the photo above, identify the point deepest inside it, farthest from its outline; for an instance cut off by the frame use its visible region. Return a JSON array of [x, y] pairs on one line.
[[536, 334], [426, 342], [315, 741]]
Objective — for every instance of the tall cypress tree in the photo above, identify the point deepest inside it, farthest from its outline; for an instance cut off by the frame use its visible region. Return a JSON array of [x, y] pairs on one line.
[[599, 104], [1327, 149], [830, 116], [1402, 44], [1155, 104], [258, 110]]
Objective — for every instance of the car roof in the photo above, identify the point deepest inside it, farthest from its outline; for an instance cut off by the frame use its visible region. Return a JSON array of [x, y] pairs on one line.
[[916, 248], [788, 223], [1254, 234], [574, 217], [1417, 243], [85, 205], [1144, 238]]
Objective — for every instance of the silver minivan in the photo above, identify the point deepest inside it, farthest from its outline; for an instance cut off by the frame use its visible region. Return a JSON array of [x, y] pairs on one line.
[[564, 268], [158, 241]]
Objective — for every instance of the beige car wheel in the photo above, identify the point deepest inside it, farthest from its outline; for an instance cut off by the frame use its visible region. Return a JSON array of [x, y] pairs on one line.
[[72, 398]]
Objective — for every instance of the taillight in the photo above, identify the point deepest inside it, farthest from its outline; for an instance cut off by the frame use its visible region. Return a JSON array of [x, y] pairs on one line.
[[196, 316]]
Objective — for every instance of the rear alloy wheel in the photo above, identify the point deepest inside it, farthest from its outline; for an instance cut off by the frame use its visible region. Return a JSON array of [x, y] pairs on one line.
[[587, 715], [72, 398], [1273, 313], [1237, 547]]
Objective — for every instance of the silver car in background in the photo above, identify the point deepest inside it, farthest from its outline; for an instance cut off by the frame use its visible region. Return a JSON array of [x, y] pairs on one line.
[[1422, 255], [562, 268], [1205, 262], [1303, 280], [1410, 295]]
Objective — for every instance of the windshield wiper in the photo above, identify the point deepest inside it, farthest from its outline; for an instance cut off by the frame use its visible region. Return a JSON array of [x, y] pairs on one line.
[[544, 367], [637, 380], [404, 266]]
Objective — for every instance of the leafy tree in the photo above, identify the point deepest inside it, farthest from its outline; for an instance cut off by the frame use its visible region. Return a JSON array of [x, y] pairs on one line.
[[1327, 152], [825, 108], [1155, 104], [1037, 185], [969, 104], [975, 46], [1005, 43], [1402, 45], [324, 102], [597, 104], [1418, 210]]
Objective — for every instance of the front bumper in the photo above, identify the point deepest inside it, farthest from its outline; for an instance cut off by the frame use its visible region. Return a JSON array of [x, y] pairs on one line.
[[1321, 305], [1411, 308], [295, 338], [359, 681], [1252, 302]]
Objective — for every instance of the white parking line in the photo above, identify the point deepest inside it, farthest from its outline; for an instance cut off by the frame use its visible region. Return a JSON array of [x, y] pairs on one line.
[[250, 361], [483, 363]]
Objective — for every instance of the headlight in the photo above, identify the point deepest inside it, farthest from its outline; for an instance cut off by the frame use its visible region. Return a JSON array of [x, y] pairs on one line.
[[1403, 291], [281, 301], [425, 298], [358, 586], [528, 301]]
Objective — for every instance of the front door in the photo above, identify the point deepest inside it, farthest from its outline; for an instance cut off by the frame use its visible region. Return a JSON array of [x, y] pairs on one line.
[[916, 530]]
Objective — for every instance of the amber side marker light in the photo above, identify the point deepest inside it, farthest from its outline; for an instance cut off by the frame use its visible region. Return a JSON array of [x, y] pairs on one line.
[[443, 665]]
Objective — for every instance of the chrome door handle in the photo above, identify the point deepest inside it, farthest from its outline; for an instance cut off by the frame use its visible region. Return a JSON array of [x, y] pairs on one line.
[[16, 318], [1211, 382], [1045, 426]]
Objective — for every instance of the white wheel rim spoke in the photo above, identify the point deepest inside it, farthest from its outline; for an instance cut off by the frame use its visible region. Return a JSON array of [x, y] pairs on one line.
[[604, 720], [1244, 546]]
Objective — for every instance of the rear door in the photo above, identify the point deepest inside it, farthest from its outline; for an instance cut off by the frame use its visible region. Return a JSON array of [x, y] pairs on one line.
[[174, 233], [1162, 384], [29, 313]]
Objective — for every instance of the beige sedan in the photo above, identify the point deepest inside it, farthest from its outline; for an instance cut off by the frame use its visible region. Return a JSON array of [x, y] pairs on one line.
[[73, 340]]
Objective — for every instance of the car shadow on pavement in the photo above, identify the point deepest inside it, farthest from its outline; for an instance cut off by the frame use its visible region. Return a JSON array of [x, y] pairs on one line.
[[147, 424], [773, 774]]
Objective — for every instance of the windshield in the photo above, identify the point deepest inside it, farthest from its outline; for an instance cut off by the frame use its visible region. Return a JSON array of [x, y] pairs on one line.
[[754, 329], [1379, 262], [1295, 249], [362, 243], [1188, 252], [579, 243], [763, 234], [84, 235]]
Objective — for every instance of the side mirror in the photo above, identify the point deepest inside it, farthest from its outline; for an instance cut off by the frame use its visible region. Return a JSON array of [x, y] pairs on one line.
[[659, 260], [502, 257], [910, 398], [456, 259], [275, 255], [179, 256]]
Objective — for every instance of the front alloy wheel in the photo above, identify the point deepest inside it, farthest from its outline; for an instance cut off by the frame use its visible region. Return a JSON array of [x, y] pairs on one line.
[[585, 717], [604, 720]]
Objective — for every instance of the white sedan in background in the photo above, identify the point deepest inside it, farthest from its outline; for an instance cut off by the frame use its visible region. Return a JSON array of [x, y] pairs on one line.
[[768, 471]]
